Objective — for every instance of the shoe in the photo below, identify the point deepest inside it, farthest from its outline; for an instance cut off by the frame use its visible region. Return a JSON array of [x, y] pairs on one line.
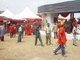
[[55, 53], [47, 44], [35, 44], [50, 45], [74, 44], [42, 45], [64, 55]]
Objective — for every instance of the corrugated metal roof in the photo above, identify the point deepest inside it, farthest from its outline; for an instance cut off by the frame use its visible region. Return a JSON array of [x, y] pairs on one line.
[[69, 6]]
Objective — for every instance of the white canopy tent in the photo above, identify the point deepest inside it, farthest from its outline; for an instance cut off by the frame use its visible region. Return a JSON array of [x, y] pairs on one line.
[[7, 13], [26, 13]]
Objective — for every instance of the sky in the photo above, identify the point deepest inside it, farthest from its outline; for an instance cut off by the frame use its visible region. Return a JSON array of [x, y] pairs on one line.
[[17, 6]]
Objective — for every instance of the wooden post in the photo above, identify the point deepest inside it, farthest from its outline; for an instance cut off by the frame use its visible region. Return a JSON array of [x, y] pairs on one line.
[[71, 15]]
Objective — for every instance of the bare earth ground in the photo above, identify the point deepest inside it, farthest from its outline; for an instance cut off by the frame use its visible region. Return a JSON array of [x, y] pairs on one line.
[[26, 50]]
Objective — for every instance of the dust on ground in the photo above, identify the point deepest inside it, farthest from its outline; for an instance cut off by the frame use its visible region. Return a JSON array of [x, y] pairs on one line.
[[26, 50]]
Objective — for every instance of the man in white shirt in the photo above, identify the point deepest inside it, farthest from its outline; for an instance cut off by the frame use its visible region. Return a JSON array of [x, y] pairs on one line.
[[74, 35], [19, 34], [48, 34]]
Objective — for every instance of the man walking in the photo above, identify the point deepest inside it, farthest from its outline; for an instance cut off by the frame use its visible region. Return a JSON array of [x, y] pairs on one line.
[[22, 26], [38, 36], [19, 34], [61, 40], [74, 35], [48, 34]]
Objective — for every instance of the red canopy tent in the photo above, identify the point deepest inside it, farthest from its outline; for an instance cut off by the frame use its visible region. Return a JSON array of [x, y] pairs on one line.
[[32, 19], [40, 19], [27, 14], [1, 19], [17, 20], [5, 18]]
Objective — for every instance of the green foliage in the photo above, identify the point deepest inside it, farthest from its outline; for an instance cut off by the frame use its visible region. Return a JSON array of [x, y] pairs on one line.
[[1, 12]]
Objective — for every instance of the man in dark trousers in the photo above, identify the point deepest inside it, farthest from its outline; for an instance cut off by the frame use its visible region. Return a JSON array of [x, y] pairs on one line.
[[38, 36], [22, 26], [19, 34]]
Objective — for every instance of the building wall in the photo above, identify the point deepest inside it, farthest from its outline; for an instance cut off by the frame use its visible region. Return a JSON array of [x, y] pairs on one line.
[[48, 18]]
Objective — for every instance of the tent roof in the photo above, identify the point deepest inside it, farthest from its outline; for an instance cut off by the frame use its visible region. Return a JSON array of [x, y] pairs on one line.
[[17, 20], [26, 13], [69, 6], [7, 13]]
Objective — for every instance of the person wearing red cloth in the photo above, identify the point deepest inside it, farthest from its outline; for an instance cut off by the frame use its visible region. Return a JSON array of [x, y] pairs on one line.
[[38, 23], [61, 39], [6, 27], [11, 30], [33, 29], [28, 29], [14, 30]]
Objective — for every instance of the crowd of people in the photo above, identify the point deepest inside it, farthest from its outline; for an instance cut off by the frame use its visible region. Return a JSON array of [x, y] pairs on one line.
[[27, 28], [59, 29]]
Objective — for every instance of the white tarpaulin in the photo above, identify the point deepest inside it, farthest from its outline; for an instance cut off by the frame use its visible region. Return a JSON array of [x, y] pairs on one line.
[[7, 13], [68, 17], [26, 13]]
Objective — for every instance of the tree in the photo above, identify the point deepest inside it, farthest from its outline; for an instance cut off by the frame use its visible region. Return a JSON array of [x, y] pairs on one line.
[[1, 12]]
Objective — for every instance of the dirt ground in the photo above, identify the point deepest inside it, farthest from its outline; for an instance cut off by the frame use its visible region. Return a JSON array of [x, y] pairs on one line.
[[26, 50]]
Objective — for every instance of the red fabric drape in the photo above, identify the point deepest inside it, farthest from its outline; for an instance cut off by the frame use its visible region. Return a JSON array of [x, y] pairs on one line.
[[40, 19], [17, 20], [64, 14], [27, 29], [32, 19], [1, 19]]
